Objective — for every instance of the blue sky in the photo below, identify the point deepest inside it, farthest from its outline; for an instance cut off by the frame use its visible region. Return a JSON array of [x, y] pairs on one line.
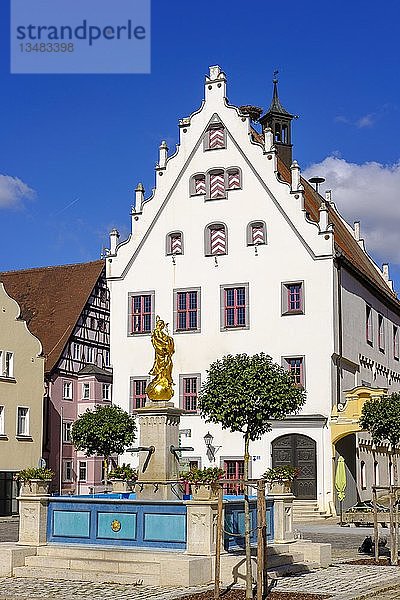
[[82, 142]]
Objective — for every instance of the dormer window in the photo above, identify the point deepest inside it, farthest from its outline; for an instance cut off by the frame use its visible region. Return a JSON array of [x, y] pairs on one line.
[[216, 242], [215, 137], [256, 233], [174, 243], [233, 177]]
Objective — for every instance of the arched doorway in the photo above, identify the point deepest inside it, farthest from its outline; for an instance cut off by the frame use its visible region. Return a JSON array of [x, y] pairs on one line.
[[299, 451]]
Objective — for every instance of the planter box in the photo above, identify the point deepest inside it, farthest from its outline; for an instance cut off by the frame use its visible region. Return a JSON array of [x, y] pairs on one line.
[[120, 486], [204, 492], [280, 487], [35, 487]]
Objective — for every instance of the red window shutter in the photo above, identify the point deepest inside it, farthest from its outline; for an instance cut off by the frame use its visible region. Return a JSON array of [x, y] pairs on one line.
[[216, 138], [217, 185], [176, 243], [200, 184], [258, 234], [218, 240], [233, 179]]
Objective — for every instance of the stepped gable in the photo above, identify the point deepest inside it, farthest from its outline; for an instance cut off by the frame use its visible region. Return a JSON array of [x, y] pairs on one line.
[[51, 301], [344, 240]]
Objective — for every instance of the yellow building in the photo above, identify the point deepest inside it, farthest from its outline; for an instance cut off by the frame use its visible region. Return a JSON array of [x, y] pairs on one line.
[[21, 399], [366, 464]]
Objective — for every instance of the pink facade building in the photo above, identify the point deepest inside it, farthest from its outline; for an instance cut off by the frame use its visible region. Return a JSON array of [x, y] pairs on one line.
[[67, 308]]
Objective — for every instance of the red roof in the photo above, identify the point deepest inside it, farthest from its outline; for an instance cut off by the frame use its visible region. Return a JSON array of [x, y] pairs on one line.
[[51, 301]]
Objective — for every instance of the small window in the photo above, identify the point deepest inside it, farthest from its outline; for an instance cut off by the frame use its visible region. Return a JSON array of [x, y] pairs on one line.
[[381, 333], [67, 390], [174, 243], [369, 334], [234, 470], [376, 472], [217, 184], [187, 310], [67, 471], [256, 233], [85, 391], [216, 240], [234, 307], [233, 179], [67, 425], [198, 184], [101, 324], [395, 342], [82, 470], [363, 476], [2, 420], [141, 313], [293, 298], [89, 354], [215, 137], [189, 389], [22, 421], [137, 393], [76, 351], [106, 355], [8, 367], [295, 364], [106, 392]]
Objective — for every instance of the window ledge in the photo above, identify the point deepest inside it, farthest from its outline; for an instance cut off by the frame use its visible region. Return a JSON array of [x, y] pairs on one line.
[[24, 438], [3, 436], [8, 379], [235, 328], [288, 313]]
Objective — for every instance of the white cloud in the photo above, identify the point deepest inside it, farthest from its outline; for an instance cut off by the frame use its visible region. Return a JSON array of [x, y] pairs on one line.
[[366, 121], [369, 193], [13, 191]]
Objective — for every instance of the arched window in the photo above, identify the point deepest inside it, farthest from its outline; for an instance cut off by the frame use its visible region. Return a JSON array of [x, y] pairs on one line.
[[216, 239], [217, 184], [198, 184], [233, 179], [363, 476], [174, 242], [256, 233], [215, 137]]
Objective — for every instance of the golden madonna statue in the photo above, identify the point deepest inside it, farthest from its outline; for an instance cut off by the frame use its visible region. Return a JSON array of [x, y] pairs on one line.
[[160, 388]]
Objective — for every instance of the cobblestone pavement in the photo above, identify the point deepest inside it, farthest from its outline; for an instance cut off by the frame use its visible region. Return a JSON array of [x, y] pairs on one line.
[[43, 589], [345, 582]]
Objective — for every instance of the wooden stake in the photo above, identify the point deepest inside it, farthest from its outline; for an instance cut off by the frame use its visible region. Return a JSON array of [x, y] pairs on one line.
[[218, 543], [260, 541], [376, 531], [392, 535]]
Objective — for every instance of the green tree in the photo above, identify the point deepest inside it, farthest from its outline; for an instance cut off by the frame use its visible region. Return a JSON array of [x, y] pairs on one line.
[[104, 431], [243, 393], [381, 418]]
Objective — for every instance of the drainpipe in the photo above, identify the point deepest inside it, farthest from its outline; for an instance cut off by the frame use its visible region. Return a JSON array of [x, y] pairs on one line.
[[60, 462], [340, 332]]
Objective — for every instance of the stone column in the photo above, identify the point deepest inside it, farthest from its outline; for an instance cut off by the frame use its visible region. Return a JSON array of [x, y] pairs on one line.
[[201, 527], [159, 427], [33, 520], [283, 517]]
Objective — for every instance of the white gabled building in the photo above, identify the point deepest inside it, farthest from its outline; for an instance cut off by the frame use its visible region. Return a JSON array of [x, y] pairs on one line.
[[240, 254]]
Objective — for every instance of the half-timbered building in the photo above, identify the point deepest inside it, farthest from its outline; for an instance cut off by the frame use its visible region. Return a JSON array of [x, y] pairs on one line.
[[67, 308]]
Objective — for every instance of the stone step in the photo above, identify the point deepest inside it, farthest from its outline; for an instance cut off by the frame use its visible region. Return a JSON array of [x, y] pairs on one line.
[[80, 575], [281, 560], [104, 553], [84, 563]]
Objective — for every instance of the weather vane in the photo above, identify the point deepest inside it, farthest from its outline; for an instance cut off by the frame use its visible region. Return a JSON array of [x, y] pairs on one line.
[[276, 75]]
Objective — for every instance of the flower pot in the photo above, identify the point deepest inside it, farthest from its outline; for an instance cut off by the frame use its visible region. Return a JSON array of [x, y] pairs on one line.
[[205, 491], [280, 487], [35, 487], [120, 486]]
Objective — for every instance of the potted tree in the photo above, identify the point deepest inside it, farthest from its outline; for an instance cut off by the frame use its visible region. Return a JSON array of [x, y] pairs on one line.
[[204, 482], [280, 479], [122, 478], [35, 481]]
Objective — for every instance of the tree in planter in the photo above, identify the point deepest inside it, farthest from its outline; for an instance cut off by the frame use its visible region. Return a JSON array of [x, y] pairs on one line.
[[381, 418], [104, 431], [243, 393]]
